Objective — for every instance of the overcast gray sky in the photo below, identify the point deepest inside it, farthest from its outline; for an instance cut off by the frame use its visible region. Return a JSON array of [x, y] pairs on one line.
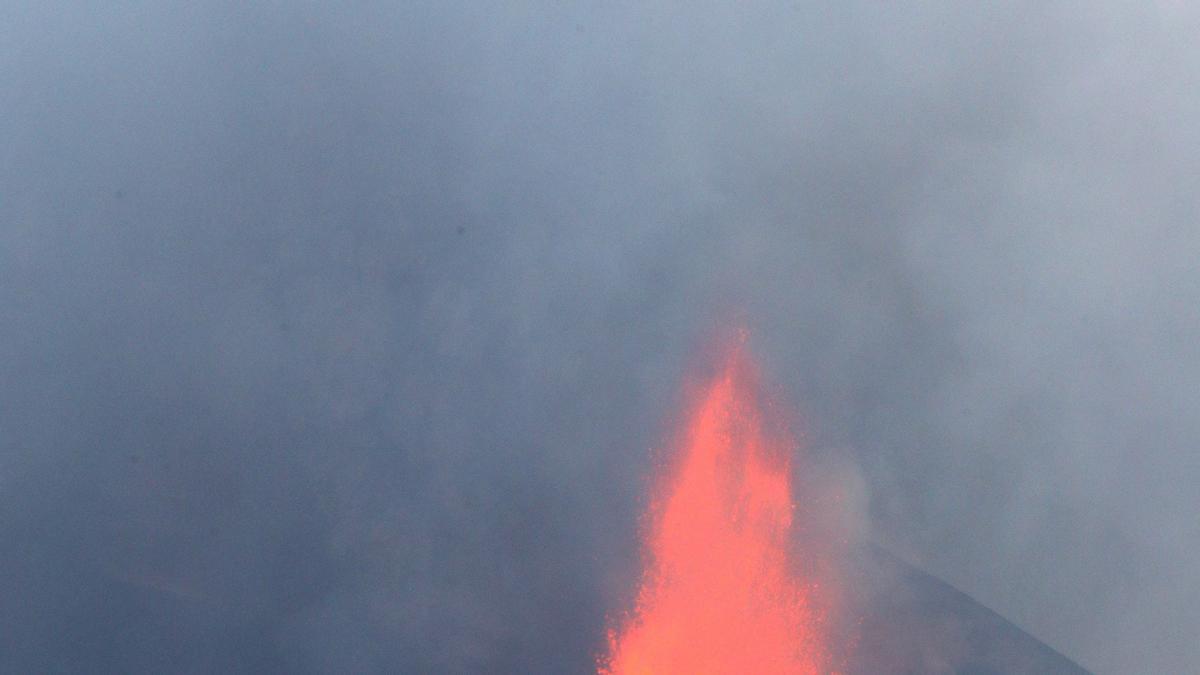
[[334, 336]]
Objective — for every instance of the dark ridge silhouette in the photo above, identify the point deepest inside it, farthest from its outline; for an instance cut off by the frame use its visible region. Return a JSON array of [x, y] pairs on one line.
[[910, 622]]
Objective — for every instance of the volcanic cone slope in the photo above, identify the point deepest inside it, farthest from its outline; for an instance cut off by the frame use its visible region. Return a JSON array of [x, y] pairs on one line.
[[912, 622]]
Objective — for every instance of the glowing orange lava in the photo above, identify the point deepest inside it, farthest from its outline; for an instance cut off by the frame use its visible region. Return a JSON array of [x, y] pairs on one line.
[[718, 595]]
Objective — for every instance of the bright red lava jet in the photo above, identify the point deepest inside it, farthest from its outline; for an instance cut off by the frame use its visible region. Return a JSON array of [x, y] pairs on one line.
[[719, 594]]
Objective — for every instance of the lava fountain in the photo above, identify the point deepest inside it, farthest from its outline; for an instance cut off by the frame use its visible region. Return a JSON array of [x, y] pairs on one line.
[[719, 593]]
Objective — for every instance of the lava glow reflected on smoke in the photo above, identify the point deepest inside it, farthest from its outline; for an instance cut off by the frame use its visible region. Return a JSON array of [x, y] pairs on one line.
[[718, 594]]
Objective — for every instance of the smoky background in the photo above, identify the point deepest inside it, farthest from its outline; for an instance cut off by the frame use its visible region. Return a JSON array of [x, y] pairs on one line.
[[335, 338]]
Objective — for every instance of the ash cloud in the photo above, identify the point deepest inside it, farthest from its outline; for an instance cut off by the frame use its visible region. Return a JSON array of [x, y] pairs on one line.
[[336, 339]]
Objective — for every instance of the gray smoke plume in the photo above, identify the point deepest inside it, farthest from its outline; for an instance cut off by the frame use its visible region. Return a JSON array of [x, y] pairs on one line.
[[335, 337]]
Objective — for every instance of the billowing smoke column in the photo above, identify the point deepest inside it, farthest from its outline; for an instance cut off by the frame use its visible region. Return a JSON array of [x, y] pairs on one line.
[[719, 592]]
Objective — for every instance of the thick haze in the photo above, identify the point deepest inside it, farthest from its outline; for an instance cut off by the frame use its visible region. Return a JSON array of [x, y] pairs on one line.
[[334, 336]]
